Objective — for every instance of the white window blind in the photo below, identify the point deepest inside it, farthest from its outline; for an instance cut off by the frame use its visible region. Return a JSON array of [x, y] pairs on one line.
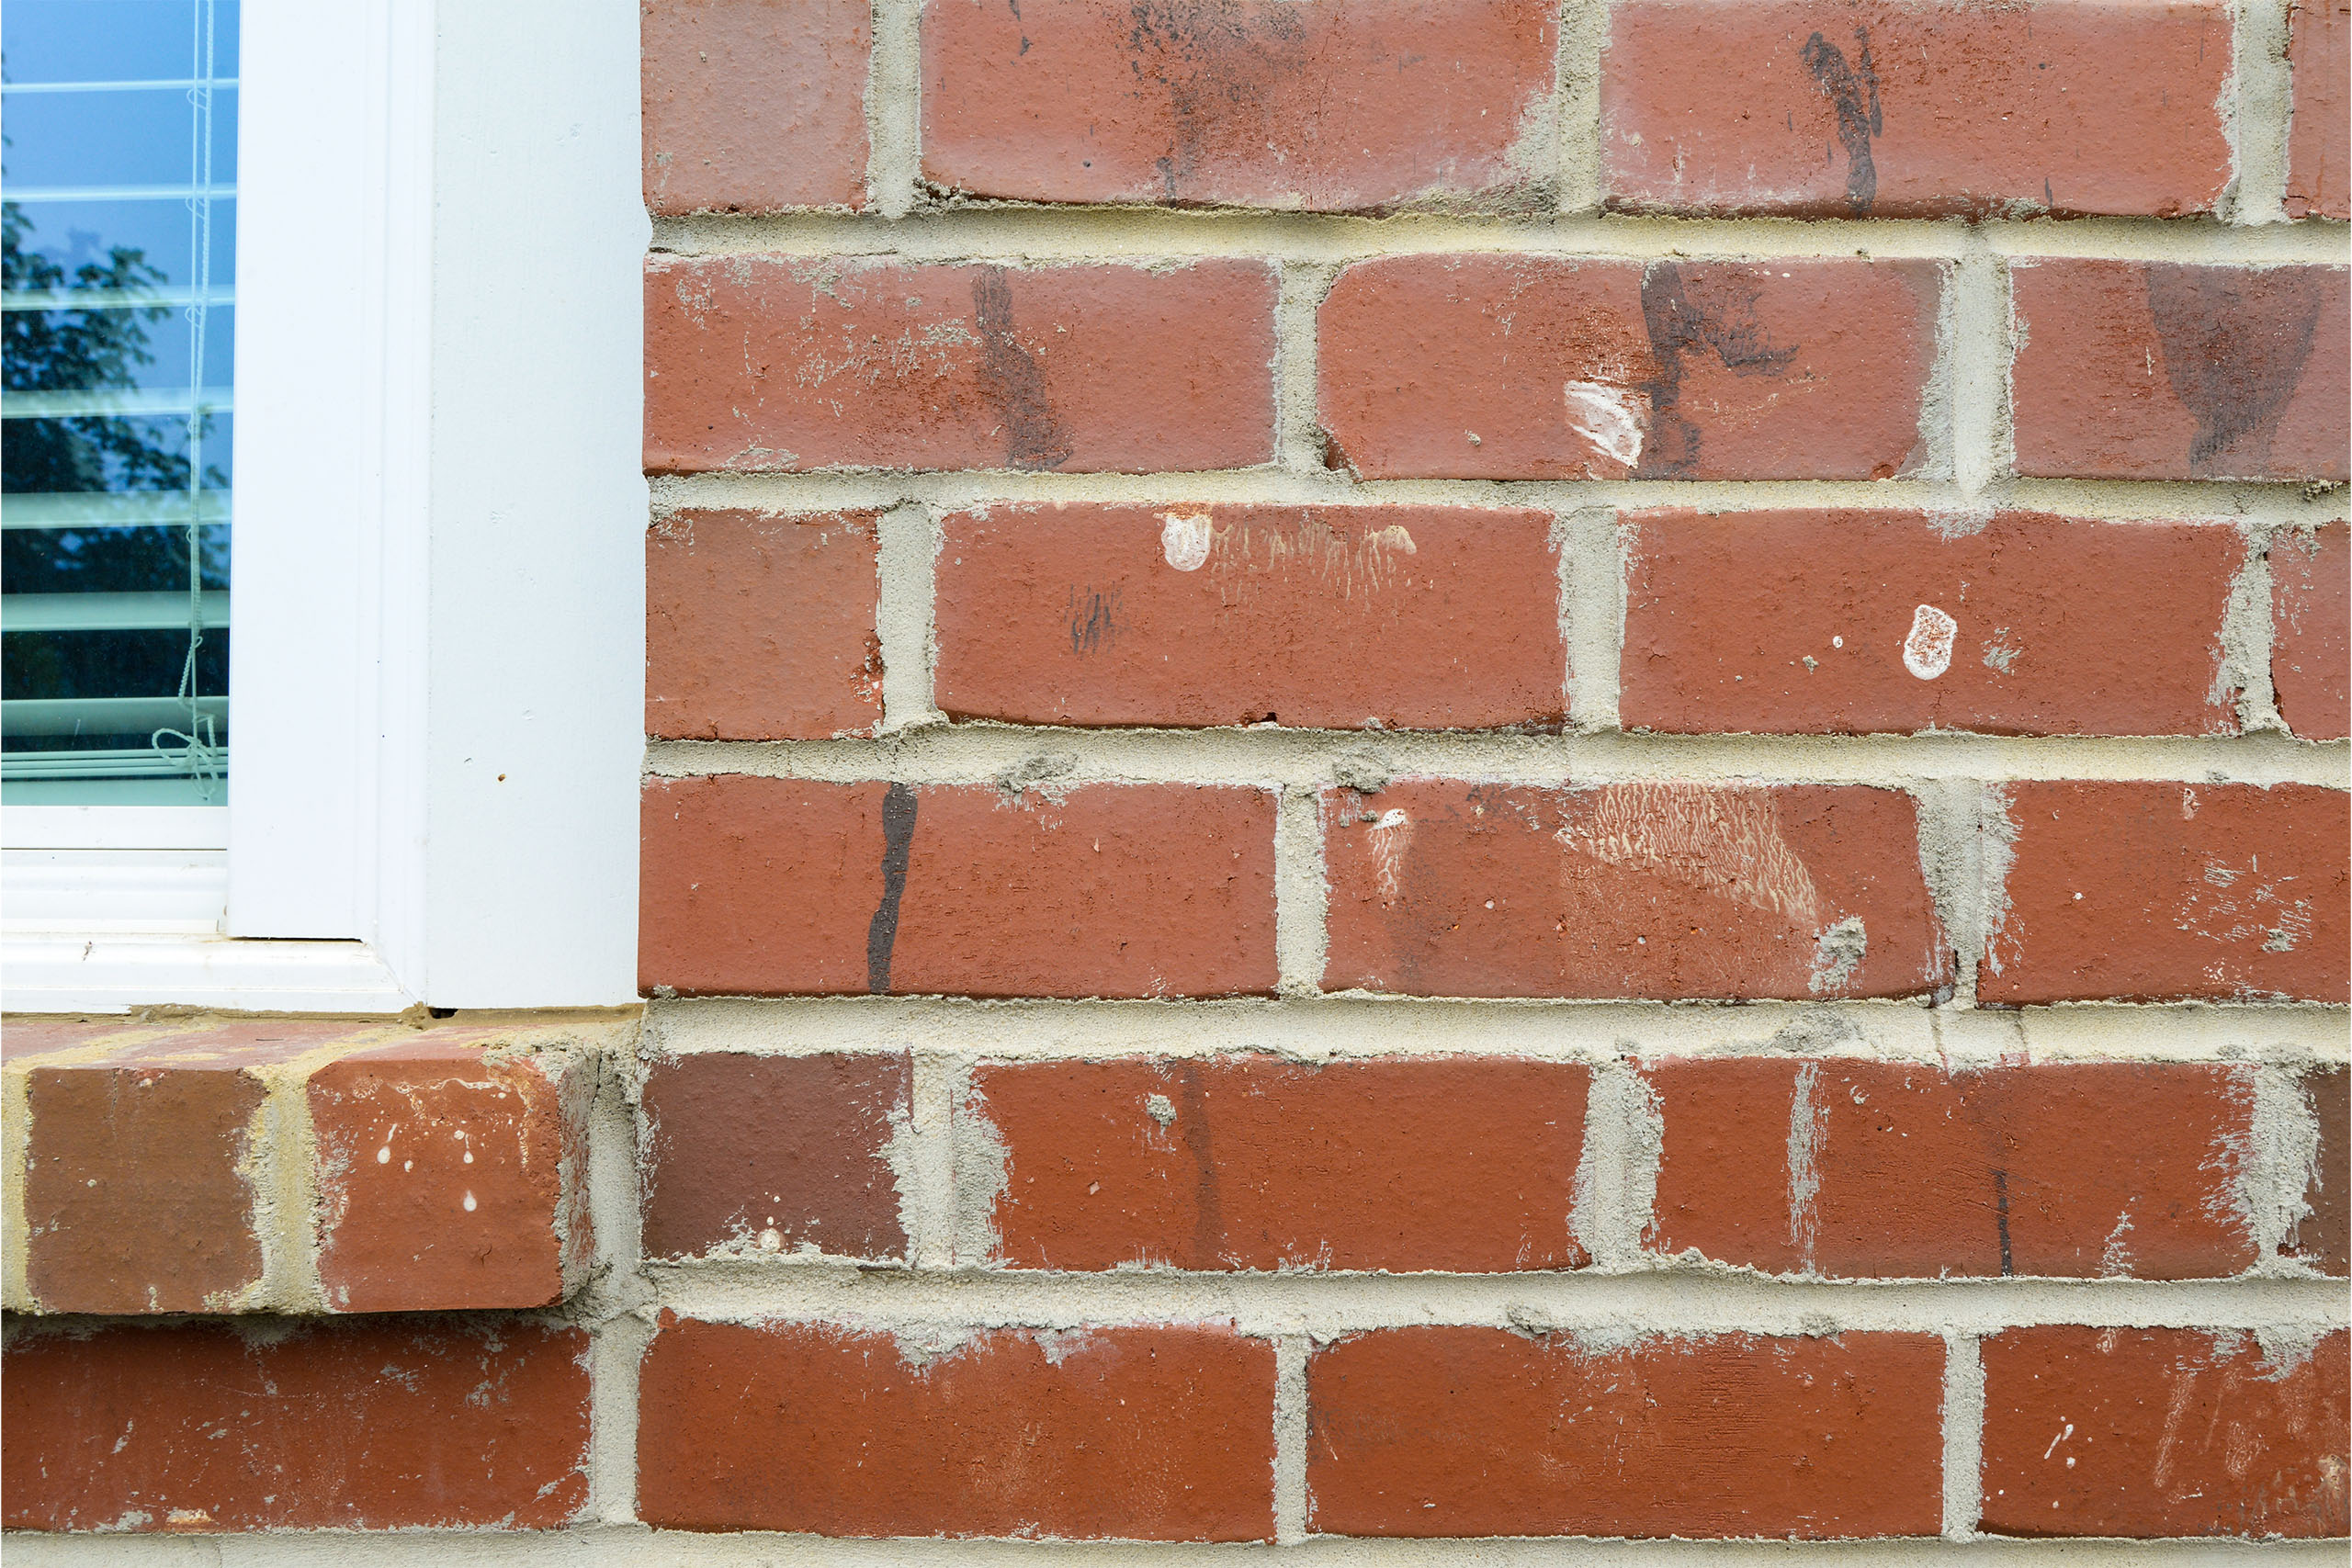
[[120, 198]]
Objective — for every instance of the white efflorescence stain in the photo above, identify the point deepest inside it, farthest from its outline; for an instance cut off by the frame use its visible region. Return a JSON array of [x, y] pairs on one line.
[[1185, 539], [1927, 652], [1611, 418]]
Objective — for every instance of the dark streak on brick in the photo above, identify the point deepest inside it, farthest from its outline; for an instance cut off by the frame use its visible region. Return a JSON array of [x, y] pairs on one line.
[[1676, 323], [897, 840], [1094, 620], [2001, 1218], [1854, 93], [2235, 342], [1012, 380], [1216, 70], [1208, 1216]]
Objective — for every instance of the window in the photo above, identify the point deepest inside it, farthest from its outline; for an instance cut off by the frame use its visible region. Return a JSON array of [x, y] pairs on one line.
[[119, 225], [424, 287]]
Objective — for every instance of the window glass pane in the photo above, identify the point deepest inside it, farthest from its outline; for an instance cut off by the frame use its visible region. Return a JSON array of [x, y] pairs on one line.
[[118, 201]]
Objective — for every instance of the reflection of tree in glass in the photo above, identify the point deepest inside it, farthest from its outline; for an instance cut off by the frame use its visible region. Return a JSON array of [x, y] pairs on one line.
[[78, 350]]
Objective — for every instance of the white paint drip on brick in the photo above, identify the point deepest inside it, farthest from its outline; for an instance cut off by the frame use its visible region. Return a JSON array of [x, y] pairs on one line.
[[1610, 419], [1185, 539], [1926, 651]]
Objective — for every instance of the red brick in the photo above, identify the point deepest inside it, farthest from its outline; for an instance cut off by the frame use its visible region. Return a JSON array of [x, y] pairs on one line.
[[451, 1177], [381, 1424], [1446, 1431], [1915, 110], [2310, 630], [760, 628], [774, 1154], [2151, 892], [1248, 1162], [770, 886], [2322, 1236], [2153, 371], [2079, 1171], [1512, 367], [2319, 150], [1820, 622], [1651, 889], [2162, 1432], [140, 1161], [783, 364], [1138, 1433], [136, 1190], [1261, 103], [754, 105], [1405, 617]]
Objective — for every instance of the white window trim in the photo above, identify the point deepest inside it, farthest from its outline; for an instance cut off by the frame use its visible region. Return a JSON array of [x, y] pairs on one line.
[[439, 535]]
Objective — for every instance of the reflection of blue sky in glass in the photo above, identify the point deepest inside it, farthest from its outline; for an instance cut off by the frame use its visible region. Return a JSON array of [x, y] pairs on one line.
[[115, 150]]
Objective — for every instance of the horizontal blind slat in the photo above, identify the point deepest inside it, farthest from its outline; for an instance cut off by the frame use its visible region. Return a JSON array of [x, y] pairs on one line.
[[102, 404], [120, 192], [110, 299], [101, 716], [129, 509], [106, 612]]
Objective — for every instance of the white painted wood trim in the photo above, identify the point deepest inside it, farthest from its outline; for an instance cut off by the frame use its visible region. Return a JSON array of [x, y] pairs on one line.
[[114, 828], [112, 973]]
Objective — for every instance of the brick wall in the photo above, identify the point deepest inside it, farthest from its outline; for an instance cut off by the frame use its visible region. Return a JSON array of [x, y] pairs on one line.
[[1403, 781]]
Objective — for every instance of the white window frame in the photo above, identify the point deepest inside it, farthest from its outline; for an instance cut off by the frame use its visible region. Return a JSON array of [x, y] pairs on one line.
[[438, 544]]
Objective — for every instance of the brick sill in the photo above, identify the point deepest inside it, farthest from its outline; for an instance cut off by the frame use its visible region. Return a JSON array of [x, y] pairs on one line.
[[243, 1165]]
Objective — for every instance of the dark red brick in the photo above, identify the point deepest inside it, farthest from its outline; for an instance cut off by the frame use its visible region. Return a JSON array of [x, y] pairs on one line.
[[774, 1154], [2322, 1236]]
